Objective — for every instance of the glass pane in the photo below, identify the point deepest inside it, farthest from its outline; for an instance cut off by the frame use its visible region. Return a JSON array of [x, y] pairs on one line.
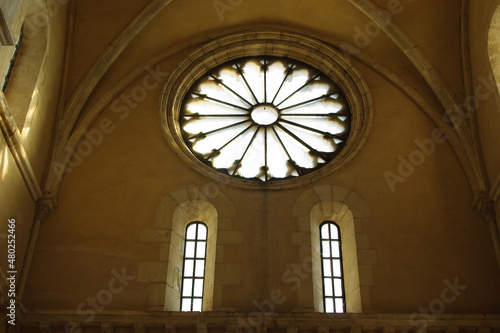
[[336, 268], [197, 303], [299, 153], [233, 150], [339, 305], [231, 78], [198, 288], [252, 70], [204, 107], [325, 106], [202, 232], [294, 81], [200, 249], [254, 158], [275, 76], [186, 304], [325, 248], [324, 231], [200, 268], [314, 89], [323, 124], [191, 232], [328, 305], [190, 249], [217, 140], [335, 249], [216, 91], [207, 124], [187, 287], [188, 268], [334, 233], [328, 287], [327, 267], [337, 287], [275, 157]]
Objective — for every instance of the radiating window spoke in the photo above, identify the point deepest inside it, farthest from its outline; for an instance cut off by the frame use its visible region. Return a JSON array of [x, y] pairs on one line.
[[205, 107], [225, 158], [217, 140], [293, 82], [277, 169], [311, 137], [321, 106], [298, 152], [265, 118], [317, 123], [313, 90], [254, 158], [194, 126], [217, 92]]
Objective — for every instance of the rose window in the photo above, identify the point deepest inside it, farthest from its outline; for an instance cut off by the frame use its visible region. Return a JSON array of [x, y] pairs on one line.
[[265, 118]]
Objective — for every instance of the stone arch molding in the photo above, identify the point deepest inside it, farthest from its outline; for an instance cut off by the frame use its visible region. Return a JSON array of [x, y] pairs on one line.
[[349, 210], [268, 42], [29, 70], [472, 163], [455, 139], [171, 216], [494, 48], [73, 109], [458, 140]]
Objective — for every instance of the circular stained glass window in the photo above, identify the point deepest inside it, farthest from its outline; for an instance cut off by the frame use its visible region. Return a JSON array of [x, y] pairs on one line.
[[265, 118]]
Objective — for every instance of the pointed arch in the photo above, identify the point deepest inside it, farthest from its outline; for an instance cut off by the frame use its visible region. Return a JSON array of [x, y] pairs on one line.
[[472, 166], [494, 45], [71, 111]]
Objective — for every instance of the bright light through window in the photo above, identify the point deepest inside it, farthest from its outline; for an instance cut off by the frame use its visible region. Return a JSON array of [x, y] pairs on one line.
[[193, 272], [331, 264], [265, 118]]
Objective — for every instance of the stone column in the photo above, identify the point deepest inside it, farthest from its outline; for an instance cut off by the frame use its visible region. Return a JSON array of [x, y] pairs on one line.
[[43, 208], [486, 207]]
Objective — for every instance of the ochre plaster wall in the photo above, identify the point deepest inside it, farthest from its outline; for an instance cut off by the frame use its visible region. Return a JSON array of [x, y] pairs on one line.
[[423, 233], [15, 200], [488, 112], [422, 229]]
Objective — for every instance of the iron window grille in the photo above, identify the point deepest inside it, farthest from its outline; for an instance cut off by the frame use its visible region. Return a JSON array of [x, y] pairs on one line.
[[331, 268], [193, 271]]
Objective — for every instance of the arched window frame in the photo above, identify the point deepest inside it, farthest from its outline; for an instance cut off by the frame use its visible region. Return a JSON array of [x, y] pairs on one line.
[[337, 291], [184, 214], [351, 212], [190, 295]]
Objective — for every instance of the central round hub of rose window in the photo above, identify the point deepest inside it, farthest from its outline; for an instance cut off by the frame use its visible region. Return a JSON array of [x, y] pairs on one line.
[[264, 114]]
